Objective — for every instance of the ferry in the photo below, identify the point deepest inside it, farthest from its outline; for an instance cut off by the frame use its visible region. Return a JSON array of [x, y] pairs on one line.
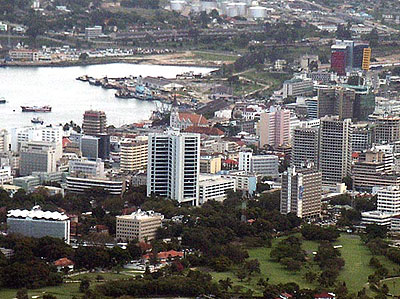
[[36, 109], [37, 120]]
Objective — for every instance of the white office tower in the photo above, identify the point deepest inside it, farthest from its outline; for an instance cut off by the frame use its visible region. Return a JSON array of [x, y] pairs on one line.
[[335, 149], [266, 165], [389, 200], [174, 166], [44, 133]]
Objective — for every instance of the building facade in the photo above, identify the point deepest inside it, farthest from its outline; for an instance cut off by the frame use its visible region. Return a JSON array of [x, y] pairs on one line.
[[335, 149], [274, 128], [94, 122], [133, 155], [37, 223], [214, 187], [140, 225], [174, 166], [301, 192], [37, 156]]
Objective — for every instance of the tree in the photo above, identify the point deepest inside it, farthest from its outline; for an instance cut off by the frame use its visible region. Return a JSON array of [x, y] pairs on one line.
[[49, 296], [226, 284], [375, 231], [22, 294], [84, 285], [83, 57]]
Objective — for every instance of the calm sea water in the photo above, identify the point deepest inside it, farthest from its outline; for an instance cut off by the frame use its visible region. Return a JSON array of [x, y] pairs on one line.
[[57, 87]]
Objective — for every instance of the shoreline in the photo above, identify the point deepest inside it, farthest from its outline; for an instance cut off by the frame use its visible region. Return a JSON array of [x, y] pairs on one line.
[[95, 61]]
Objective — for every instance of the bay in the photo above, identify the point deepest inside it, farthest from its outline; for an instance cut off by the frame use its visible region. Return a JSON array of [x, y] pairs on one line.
[[69, 98]]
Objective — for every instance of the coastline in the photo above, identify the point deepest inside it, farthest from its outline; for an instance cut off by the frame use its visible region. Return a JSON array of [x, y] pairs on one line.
[[153, 60]]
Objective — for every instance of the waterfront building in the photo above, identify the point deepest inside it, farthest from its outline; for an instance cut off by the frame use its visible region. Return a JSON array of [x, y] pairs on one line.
[[37, 224], [37, 156], [335, 149], [214, 187], [93, 32], [133, 155], [94, 122], [174, 166], [274, 127], [24, 55], [80, 185], [301, 192], [140, 226]]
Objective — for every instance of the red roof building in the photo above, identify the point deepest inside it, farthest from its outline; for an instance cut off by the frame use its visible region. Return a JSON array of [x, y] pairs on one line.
[[183, 120], [325, 296], [165, 255], [211, 131]]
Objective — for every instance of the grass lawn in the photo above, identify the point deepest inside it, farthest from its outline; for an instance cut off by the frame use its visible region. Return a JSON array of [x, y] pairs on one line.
[[355, 272], [208, 56], [66, 290]]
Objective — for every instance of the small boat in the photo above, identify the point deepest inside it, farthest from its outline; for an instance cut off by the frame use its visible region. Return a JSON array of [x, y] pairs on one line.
[[2, 101], [36, 109], [37, 120]]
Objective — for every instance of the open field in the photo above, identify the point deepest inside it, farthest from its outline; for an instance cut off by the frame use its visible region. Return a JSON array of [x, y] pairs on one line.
[[66, 290], [355, 272]]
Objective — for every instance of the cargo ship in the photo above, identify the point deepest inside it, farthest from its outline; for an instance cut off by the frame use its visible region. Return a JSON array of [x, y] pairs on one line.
[[36, 109]]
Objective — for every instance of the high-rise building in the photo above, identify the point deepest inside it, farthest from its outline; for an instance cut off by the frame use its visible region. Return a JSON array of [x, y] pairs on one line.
[[140, 226], [339, 57], [94, 122], [174, 166], [305, 147], [301, 192], [133, 155], [274, 127], [336, 101], [37, 223], [37, 156], [387, 129], [335, 149]]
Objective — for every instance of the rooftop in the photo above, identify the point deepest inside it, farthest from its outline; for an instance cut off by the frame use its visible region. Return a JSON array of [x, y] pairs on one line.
[[37, 213]]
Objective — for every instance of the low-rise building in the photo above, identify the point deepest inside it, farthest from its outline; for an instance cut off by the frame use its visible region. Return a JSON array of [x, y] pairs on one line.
[[210, 164], [140, 225], [37, 223], [215, 187], [85, 167], [79, 185]]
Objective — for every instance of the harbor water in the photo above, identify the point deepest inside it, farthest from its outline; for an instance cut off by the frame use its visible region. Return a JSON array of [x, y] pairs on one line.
[[69, 98]]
